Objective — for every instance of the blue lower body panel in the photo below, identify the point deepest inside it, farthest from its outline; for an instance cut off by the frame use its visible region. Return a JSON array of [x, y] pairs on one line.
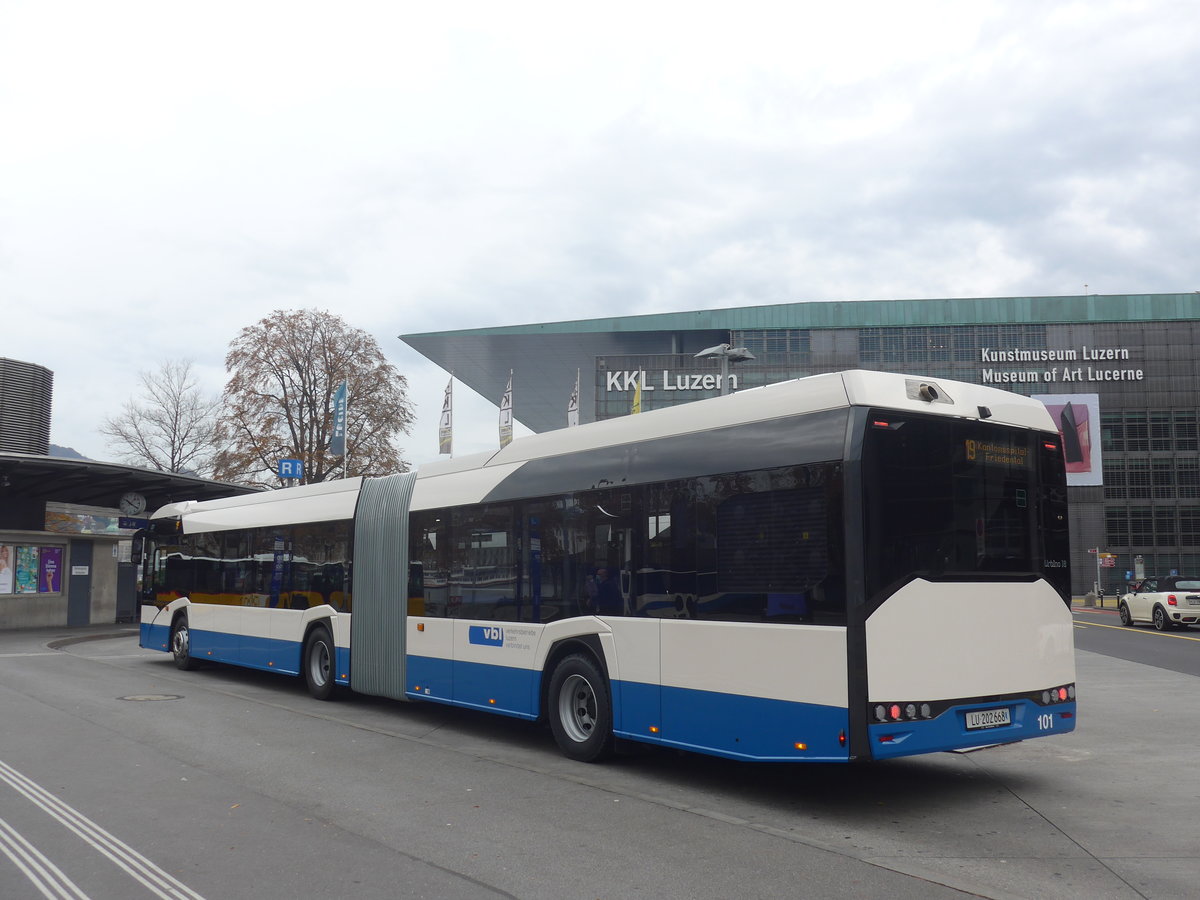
[[154, 637], [731, 725], [499, 689], [268, 654], [949, 730]]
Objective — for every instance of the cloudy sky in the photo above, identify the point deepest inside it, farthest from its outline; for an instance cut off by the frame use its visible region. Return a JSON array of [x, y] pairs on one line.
[[173, 172]]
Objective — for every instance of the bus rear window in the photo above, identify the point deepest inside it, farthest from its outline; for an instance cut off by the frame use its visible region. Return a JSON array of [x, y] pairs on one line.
[[947, 498]]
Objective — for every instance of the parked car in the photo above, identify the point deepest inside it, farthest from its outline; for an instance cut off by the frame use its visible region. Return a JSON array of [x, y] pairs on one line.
[[1172, 601]]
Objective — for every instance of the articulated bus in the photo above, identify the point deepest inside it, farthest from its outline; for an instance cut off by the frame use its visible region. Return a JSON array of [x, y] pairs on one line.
[[854, 566]]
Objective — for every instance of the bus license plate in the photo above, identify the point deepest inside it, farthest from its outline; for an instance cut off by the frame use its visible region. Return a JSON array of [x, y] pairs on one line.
[[988, 718]]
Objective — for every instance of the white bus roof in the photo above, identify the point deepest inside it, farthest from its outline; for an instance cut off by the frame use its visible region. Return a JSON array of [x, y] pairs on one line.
[[468, 478]]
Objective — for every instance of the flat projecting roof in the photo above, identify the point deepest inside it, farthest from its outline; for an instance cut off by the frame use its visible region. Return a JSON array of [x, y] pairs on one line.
[[544, 356]]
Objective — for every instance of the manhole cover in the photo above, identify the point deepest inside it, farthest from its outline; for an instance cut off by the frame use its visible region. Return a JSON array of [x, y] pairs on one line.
[[144, 697]]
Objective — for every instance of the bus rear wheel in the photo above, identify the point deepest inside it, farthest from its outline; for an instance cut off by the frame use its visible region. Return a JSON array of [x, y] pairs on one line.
[[319, 656], [580, 709], [181, 644]]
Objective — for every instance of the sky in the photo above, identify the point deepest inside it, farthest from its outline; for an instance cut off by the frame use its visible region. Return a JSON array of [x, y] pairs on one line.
[[171, 173]]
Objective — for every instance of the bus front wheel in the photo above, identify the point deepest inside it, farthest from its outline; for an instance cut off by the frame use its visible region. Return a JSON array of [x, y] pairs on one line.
[[580, 709], [319, 655], [181, 644]]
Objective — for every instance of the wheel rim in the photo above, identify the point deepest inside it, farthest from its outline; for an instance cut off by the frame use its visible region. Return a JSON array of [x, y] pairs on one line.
[[318, 663], [577, 708], [180, 643], [1160, 620]]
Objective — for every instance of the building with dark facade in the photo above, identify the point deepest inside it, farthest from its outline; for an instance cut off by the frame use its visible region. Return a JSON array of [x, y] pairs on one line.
[[1120, 374]]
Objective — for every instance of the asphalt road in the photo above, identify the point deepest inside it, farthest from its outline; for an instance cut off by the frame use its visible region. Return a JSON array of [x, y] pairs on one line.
[[1100, 630], [121, 777]]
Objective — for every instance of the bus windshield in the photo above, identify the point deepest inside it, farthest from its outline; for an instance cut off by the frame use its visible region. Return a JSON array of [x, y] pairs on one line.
[[948, 498]]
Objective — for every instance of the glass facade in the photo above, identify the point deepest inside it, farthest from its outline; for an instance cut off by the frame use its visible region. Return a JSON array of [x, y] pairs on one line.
[[1142, 500]]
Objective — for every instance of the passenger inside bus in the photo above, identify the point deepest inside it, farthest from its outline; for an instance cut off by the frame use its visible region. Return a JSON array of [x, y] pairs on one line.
[[607, 601]]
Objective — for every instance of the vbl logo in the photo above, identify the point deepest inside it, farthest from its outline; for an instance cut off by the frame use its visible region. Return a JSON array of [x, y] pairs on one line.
[[491, 635]]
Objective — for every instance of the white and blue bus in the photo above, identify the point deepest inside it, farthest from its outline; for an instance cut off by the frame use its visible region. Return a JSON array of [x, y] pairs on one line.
[[854, 566]]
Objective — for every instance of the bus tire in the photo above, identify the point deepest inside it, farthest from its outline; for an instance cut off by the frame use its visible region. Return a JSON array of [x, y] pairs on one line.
[[319, 657], [181, 644], [580, 709]]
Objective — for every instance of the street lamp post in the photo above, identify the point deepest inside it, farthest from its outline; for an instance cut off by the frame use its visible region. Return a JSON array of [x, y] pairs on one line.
[[727, 355]]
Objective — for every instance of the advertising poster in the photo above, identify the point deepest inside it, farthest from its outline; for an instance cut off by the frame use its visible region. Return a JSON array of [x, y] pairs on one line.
[[26, 571], [6, 568], [1078, 419], [50, 579]]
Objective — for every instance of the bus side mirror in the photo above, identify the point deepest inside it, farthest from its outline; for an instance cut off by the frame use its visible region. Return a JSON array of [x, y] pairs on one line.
[[138, 550]]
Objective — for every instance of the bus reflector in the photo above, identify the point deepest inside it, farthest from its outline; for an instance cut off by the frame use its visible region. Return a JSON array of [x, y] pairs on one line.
[[800, 746], [654, 729], [492, 701], [420, 626]]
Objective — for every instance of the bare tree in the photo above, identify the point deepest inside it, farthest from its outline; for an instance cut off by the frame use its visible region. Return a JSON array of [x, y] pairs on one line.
[[169, 426], [283, 373]]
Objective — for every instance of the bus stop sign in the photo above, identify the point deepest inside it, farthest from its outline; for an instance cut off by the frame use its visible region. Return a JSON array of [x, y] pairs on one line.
[[291, 468]]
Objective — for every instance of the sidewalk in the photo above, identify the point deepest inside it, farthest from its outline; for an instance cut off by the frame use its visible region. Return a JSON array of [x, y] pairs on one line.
[[1107, 602], [56, 636]]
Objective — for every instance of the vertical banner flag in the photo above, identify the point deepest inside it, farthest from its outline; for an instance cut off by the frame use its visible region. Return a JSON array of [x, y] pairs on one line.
[[337, 445], [506, 414], [446, 425], [637, 397], [573, 404]]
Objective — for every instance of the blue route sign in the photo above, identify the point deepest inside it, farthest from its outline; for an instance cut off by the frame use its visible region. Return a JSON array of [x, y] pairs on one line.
[[291, 468]]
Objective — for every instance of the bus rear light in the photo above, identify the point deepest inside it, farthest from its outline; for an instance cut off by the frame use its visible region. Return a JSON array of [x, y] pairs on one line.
[[1057, 695], [896, 712]]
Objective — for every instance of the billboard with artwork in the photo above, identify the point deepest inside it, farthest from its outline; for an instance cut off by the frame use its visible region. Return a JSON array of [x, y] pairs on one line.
[[1077, 417]]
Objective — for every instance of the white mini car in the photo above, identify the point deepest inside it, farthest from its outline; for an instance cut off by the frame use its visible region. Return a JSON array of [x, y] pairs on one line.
[[1168, 602]]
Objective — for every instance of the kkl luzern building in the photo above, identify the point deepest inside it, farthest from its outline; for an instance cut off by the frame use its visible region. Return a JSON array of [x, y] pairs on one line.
[[1119, 373]]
